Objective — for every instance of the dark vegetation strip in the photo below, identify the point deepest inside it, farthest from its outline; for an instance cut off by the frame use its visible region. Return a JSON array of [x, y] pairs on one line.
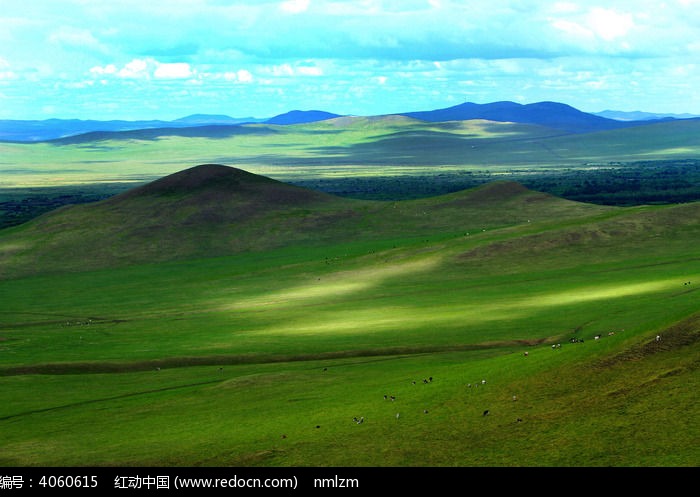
[[94, 367], [19, 205], [107, 399], [610, 183]]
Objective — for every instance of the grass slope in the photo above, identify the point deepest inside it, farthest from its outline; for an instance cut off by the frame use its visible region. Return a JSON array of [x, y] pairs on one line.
[[214, 210], [263, 358]]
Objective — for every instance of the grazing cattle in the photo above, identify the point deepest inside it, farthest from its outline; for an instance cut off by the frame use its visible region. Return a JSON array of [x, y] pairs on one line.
[[361, 420], [284, 436], [658, 338], [483, 381], [526, 354], [385, 397], [397, 415], [486, 413], [393, 398], [430, 379], [519, 420], [597, 337], [425, 411], [515, 397]]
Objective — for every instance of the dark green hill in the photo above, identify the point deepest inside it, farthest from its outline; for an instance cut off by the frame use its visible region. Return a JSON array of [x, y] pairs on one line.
[[209, 184], [214, 210]]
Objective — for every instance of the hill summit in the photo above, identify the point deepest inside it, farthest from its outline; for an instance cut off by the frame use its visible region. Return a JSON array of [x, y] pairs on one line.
[[218, 187], [202, 177]]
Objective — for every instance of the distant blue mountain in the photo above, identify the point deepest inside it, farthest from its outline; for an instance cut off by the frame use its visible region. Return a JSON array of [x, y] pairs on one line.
[[51, 129], [301, 116], [551, 114], [207, 119], [641, 116]]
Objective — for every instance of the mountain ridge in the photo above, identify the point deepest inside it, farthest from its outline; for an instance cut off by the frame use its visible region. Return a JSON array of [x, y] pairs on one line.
[[550, 114], [555, 115]]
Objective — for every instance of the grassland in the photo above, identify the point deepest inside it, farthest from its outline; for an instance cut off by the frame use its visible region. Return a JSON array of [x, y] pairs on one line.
[[263, 356], [380, 158], [342, 147]]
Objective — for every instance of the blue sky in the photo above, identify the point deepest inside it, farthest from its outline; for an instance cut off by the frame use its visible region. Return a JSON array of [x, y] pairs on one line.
[[154, 59]]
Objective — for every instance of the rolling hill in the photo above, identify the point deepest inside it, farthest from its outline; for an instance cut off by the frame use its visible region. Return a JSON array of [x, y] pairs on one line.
[[215, 210]]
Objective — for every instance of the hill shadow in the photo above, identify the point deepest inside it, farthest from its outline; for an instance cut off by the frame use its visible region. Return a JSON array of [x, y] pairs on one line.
[[211, 131]]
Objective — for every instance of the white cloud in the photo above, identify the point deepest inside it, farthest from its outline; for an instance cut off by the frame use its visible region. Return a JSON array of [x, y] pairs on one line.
[[295, 6], [78, 85], [288, 70], [565, 7], [606, 24], [75, 37], [310, 71], [609, 24], [137, 68], [571, 28], [5, 72], [144, 69], [178, 70], [683, 71], [244, 76], [241, 76], [282, 70], [108, 69]]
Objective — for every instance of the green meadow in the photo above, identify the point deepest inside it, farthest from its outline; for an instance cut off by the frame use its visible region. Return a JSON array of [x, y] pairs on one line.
[[216, 318], [342, 147]]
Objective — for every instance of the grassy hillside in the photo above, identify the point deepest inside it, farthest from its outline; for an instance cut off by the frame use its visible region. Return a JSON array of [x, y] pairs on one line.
[[214, 210], [263, 357]]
